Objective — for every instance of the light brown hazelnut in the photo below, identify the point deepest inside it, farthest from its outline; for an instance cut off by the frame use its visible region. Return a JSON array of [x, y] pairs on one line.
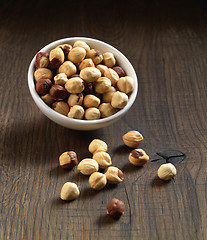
[[115, 208], [74, 85], [61, 107], [92, 114], [102, 68], [112, 75], [75, 99], [60, 79], [114, 175], [106, 97], [42, 73], [109, 59], [132, 138], [77, 54], [68, 68], [48, 99], [120, 71], [69, 191], [97, 180], [125, 84], [86, 63], [119, 100], [102, 85], [138, 157], [58, 92], [103, 159], [68, 160], [88, 166], [76, 112], [91, 101], [66, 48], [90, 74], [166, 171], [56, 58], [95, 55], [42, 60], [107, 110], [82, 44], [97, 145], [43, 86]]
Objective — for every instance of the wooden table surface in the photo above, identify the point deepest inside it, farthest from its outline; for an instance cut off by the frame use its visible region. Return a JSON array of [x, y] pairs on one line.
[[167, 45]]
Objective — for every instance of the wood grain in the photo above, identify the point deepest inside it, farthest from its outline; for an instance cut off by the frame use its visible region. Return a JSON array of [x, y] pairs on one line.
[[167, 45]]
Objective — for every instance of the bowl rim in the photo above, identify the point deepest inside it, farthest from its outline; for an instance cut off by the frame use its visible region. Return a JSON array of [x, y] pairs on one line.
[[46, 108]]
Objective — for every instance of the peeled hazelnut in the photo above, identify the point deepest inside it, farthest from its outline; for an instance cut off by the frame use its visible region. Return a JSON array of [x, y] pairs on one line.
[[58, 92], [115, 208], [88, 166], [90, 74], [106, 97], [68, 68], [125, 84], [76, 112], [120, 71], [132, 138], [66, 48], [102, 68], [107, 110], [103, 159], [74, 85], [68, 160], [42, 60], [69, 191], [109, 59], [97, 145], [75, 99], [138, 157], [112, 75], [77, 54], [95, 55], [91, 101], [42, 73], [92, 114], [48, 99], [114, 175], [56, 58], [119, 100], [86, 63], [89, 88], [82, 44], [61, 107], [60, 79], [43, 86], [166, 171], [102, 85], [97, 180]]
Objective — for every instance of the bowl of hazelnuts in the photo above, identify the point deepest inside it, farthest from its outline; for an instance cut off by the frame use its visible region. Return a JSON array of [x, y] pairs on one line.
[[82, 83]]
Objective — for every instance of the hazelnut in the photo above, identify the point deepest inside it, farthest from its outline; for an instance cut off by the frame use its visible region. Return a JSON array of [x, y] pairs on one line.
[[120, 71], [82, 44], [114, 175], [42, 60], [89, 88], [61, 107], [86, 63], [92, 114], [74, 85], [106, 97], [42, 73], [68, 68], [90, 74], [60, 79], [97, 145], [76, 112], [88, 166], [138, 157], [75, 99], [43, 86], [102, 68], [125, 84], [166, 171], [68, 160], [77, 54], [69, 191], [132, 138], [107, 110], [102, 85], [103, 159], [58, 92], [112, 75], [119, 100], [109, 59], [66, 48], [115, 208], [56, 58], [91, 101], [97, 180], [48, 99], [95, 55]]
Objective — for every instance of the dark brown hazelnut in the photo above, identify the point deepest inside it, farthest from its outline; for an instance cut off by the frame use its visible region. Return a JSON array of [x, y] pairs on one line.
[[43, 86], [58, 92], [115, 208], [68, 160], [89, 88], [120, 71], [42, 60], [66, 48]]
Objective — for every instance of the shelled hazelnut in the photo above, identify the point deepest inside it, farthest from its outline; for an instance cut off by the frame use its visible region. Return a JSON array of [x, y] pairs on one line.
[[97, 145], [91, 101], [102, 68], [43, 73], [76, 112], [86, 63], [115, 208], [132, 138], [102, 85], [60, 79], [112, 75], [97, 180], [74, 85], [68, 68], [166, 171], [69, 191], [109, 59], [48, 99], [88, 166], [138, 157], [114, 175], [61, 107], [90, 74], [106, 97], [42, 60], [82, 44], [125, 84], [119, 100], [77, 54], [95, 55], [103, 159], [92, 114], [107, 110], [75, 99], [68, 160], [56, 58]]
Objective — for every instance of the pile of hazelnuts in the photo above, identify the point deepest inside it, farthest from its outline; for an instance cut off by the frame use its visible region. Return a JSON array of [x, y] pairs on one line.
[[80, 82]]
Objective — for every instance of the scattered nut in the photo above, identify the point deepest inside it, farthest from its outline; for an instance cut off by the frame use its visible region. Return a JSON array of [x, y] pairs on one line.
[[97, 145], [106, 97], [119, 100], [109, 59], [90, 74], [103, 159], [69, 191], [42, 73], [166, 171], [92, 114], [42, 60], [56, 58], [60, 79], [82, 44], [75, 99], [132, 138], [102, 68], [61, 107], [58, 92], [138, 157], [120, 71], [102, 85], [125, 84], [74, 85], [68, 160], [68, 68], [86, 63], [91, 101], [95, 55], [76, 112], [43, 86], [112, 75], [88, 166], [115, 208], [114, 175], [48, 99], [107, 110], [97, 180], [77, 54]]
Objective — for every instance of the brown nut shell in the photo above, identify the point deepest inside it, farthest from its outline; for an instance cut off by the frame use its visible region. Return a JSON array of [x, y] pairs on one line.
[[115, 208], [43, 86], [58, 92], [68, 160], [120, 71]]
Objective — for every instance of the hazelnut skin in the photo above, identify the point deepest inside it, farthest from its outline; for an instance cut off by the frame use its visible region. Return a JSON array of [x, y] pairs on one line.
[[42, 60], [68, 68], [48, 99], [58, 92], [166, 171], [109, 59], [92, 114], [42, 73], [91, 101], [125, 84], [102, 85], [60, 79], [75, 99], [69, 191], [74, 85], [97, 180], [115, 208], [43, 86], [86, 63], [76, 112], [97, 145], [132, 138], [95, 55], [120, 71], [112, 75], [114, 175], [119, 100], [66, 48], [77, 54], [68, 160], [61, 107], [90, 74], [107, 110], [138, 157], [82, 44], [56, 58]]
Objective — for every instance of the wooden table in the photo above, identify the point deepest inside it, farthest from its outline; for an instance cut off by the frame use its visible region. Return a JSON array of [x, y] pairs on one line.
[[167, 45]]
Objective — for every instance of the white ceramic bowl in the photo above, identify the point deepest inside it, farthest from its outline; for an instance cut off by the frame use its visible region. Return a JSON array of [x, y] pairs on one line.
[[75, 123]]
